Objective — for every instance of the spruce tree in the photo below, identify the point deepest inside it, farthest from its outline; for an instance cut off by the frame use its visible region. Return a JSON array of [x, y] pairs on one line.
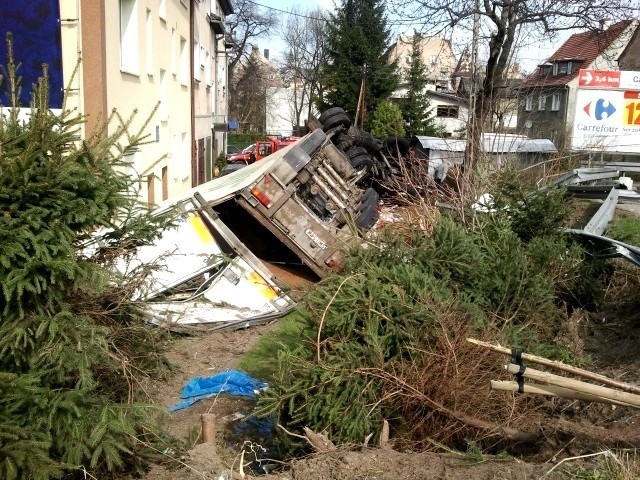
[[70, 337], [416, 106], [387, 120], [358, 41]]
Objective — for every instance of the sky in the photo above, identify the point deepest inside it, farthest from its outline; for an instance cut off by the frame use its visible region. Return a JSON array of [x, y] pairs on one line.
[[528, 57]]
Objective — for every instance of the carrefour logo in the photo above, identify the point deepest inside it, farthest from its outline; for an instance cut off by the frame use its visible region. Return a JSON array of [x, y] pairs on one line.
[[601, 109]]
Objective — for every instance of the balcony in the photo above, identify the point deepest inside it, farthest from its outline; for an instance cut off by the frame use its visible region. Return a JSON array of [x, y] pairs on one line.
[[217, 24]]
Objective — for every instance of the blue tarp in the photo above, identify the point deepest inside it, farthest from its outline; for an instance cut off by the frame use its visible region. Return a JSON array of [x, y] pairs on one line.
[[233, 382]]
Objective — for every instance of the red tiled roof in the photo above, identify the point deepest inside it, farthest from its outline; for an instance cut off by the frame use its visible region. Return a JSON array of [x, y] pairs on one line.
[[581, 49]]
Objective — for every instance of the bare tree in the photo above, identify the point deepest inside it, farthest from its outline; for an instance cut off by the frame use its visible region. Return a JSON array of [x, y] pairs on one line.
[[500, 24], [245, 26], [303, 35]]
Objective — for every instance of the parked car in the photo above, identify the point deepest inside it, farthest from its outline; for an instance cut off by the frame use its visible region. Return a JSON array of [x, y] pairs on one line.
[[233, 149]]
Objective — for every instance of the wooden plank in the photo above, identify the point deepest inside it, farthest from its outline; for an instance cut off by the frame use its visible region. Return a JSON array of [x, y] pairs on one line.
[[550, 378], [552, 391], [627, 387]]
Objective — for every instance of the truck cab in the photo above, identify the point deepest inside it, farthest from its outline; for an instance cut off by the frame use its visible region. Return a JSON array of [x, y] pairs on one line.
[[264, 148]]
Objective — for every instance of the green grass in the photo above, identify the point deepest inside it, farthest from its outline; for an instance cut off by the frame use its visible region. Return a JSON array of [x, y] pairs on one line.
[[260, 361], [615, 465], [625, 229]]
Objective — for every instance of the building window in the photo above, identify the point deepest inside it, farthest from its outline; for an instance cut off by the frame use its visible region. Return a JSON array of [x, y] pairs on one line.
[[528, 103], [542, 102], [196, 60], [207, 68], [129, 36], [184, 62], [162, 10], [174, 54], [149, 43], [447, 111], [555, 102], [163, 109], [562, 68]]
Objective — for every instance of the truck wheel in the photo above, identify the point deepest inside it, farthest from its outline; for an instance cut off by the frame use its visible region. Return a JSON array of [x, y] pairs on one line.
[[359, 158], [362, 162], [395, 145], [339, 119], [327, 114], [343, 141], [369, 198], [364, 139], [368, 217]]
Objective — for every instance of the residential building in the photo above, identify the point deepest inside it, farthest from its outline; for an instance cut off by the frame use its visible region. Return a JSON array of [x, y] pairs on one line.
[[629, 59], [437, 56], [159, 64], [504, 111], [450, 112], [547, 99], [254, 81], [210, 80]]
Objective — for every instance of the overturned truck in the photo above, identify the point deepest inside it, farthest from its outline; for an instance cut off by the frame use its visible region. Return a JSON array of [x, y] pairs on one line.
[[220, 265]]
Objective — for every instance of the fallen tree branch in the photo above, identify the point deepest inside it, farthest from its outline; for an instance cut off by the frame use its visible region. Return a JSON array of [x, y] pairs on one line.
[[618, 437], [318, 441], [492, 428]]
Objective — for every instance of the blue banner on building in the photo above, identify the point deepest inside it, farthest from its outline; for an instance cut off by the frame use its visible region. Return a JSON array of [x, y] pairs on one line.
[[35, 26]]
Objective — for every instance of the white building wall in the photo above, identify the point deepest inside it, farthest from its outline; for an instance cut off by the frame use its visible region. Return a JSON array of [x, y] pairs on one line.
[[157, 46], [280, 110]]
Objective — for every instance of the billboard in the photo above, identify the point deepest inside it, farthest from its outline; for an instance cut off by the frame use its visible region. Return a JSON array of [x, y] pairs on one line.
[[35, 27], [607, 114]]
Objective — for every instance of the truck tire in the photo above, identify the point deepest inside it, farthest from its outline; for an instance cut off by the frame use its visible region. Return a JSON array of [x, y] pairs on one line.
[[369, 197], [338, 120], [362, 162], [330, 113], [395, 145], [362, 138], [359, 158], [368, 217], [343, 141]]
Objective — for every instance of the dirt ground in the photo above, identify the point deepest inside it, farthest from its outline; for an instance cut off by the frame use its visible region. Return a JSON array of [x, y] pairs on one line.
[[209, 353]]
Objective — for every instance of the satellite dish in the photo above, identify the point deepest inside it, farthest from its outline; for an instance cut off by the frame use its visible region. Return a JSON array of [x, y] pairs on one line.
[[528, 124]]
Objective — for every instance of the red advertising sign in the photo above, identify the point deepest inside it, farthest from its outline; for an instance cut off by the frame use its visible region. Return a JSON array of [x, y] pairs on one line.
[[599, 78]]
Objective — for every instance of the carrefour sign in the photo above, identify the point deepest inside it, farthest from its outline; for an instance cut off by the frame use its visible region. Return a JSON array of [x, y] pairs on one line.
[[607, 120]]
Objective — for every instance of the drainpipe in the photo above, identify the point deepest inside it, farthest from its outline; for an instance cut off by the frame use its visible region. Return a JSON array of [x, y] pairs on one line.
[[566, 114], [194, 171]]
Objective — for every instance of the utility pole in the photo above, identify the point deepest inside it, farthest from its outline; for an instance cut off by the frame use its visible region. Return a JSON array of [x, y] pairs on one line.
[[361, 105]]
